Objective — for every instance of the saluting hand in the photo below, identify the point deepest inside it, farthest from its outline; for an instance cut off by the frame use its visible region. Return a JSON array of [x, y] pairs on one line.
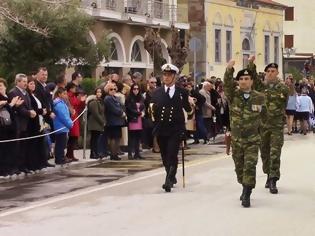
[[251, 58], [231, 64]]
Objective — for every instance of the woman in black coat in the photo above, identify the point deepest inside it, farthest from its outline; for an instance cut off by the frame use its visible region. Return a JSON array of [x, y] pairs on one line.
[[135, 111], [37, 149], [8, 165]]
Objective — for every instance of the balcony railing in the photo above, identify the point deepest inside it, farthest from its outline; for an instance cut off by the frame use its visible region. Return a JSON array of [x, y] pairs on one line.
[[150, 8], [111, 5]]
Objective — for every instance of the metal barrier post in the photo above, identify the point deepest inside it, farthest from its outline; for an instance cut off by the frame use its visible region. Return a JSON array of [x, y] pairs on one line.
[[85, 132]]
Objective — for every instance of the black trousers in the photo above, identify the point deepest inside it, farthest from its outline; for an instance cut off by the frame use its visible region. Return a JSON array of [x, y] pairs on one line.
[[7, 158], [60, 145], [95, 135], [169, 147], [71, 145], [21, 151], [37, 153], [134, 137]]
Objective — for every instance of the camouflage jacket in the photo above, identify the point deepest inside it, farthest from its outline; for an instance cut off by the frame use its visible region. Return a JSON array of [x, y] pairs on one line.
[[276, 95], [245, 114]]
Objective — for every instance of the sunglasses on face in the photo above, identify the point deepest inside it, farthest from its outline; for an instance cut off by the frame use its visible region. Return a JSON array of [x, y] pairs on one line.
[[112, 89], [153, 82]]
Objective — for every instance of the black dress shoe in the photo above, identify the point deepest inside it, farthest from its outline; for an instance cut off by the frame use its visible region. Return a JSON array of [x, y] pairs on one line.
[[115, 158]]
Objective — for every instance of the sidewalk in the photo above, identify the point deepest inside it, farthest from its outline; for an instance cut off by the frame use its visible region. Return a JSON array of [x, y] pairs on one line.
[[151, 161]]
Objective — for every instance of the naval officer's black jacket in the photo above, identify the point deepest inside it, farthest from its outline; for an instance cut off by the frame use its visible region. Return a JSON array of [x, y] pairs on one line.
[[168, 112]]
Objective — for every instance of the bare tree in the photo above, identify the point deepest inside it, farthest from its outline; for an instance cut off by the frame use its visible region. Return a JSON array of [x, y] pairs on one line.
[[6, 12], [153, 44], [178, 50]]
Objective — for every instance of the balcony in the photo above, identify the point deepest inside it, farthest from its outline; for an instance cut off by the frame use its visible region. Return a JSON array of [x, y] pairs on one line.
[[150, 12]]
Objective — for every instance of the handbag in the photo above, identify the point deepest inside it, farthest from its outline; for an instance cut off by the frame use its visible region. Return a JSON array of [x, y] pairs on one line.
[[5, 117]]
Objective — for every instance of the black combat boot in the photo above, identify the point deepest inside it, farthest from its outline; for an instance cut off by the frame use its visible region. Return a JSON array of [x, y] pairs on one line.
[[246, 196], [273, 186], [243, 193], [267, 182]]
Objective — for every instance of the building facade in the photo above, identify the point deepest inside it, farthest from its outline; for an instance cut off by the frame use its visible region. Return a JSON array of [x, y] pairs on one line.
[[298, 31], [124, 23], [236, 29]]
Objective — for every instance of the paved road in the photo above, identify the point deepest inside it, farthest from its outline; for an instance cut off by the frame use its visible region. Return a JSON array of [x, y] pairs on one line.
[[209, 205]]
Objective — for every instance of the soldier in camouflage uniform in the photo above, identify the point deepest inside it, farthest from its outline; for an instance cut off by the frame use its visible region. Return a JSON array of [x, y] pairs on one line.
[[245, 116], [272, 139]]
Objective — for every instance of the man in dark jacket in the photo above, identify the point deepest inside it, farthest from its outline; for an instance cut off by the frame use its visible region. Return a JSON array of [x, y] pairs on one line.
[[167, 106], [22, 115], [44, 96]]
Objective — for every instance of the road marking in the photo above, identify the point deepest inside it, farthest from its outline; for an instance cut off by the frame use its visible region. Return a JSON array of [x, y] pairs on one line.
[[80, 193]]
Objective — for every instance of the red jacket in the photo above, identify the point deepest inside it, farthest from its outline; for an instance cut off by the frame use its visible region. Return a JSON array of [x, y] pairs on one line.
[[78, 106]]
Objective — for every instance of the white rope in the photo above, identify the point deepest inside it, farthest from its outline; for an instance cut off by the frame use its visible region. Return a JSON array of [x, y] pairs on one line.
[[42, 135]]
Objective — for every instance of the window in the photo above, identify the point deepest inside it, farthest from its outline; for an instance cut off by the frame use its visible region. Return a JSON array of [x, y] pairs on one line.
[[288, 41], [136, 53], [267, 49], [289, 14], [113, 51], [245, 45], [276, 52], [228, 45], [217, 45]]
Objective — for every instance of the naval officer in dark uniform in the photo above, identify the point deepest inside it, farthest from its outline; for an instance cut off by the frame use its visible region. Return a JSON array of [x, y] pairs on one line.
[[167, 106]]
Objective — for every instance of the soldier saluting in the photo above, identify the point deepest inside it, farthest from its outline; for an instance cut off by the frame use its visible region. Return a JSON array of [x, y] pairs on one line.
[[272, 139], [245, 107], [167, 106]]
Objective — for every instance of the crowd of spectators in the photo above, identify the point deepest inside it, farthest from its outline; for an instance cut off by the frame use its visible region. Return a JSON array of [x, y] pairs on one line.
[[118, 117]]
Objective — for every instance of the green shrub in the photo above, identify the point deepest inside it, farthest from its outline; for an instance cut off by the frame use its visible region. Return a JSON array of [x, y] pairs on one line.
[[297, 75], [89, 85]]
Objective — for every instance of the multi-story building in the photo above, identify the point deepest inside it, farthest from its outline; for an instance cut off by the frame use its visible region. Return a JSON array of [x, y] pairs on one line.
[[124, 23], [298, 30], [236, 29]]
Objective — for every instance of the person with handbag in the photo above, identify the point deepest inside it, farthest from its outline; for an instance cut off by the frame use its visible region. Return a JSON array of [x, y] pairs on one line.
[[7, 164], [37, 151], [135, 112]]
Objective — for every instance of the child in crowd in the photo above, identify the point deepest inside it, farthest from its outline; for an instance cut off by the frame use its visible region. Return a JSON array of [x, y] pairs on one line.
[[62, 123]]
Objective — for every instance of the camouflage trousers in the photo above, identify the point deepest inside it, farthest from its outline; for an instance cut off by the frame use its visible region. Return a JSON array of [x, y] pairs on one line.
[[271, 145], [245, 156]]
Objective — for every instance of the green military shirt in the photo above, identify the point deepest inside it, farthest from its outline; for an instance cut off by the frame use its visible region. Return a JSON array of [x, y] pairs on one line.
[[276, 100], [245, 114]]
